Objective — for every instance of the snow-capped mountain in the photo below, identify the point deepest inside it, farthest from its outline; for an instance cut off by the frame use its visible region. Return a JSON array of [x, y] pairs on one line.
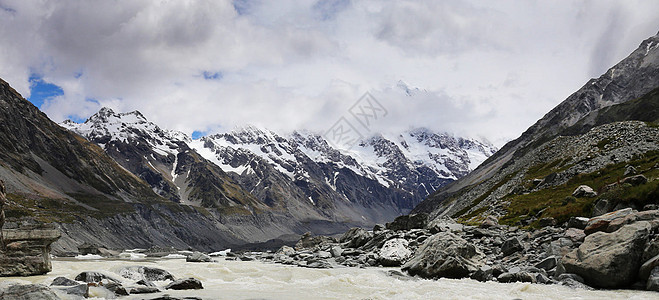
[[300, 174], [415, 162], [163, 159]]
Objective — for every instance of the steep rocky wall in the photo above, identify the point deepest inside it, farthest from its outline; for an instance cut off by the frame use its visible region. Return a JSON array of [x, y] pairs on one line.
[[27, 250]]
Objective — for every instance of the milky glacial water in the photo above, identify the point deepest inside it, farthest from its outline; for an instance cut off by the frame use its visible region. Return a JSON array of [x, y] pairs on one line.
[[257, 280]]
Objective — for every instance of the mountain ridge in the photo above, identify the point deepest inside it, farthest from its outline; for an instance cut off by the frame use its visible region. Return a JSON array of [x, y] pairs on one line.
[[632, 78]]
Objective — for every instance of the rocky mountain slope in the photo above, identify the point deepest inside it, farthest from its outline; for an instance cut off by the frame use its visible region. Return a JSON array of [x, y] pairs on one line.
[[578, 142], [299, 175], [52, 174]]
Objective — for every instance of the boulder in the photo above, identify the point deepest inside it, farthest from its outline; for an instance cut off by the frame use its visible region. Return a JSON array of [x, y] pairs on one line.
[[198, 257], [490, 221], [93, 277], [356, 237], [609, 260], [139, 273], [600, 223], [408, 222], [28, 292], [511, 246], [185, 284], [584, 191], [394, 252], [444, 255], [63, 281]]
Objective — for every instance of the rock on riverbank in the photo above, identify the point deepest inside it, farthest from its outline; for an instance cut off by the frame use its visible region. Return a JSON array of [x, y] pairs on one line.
[[622, 253]]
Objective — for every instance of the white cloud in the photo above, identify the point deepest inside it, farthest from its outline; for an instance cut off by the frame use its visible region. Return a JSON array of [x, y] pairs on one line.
[[489, 69]]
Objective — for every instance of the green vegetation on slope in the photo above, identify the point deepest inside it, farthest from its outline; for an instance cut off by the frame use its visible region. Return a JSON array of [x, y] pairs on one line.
[[556, 202]]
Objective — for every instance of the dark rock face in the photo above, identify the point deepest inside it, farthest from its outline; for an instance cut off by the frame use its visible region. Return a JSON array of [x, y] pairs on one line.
[[610, 260], [28, 291], [185, 284]]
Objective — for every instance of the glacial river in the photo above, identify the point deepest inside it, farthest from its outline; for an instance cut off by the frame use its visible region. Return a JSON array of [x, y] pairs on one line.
[[256, 280]]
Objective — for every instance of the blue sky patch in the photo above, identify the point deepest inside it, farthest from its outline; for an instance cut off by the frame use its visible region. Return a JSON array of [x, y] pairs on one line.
[[198, 134], [41, 91], [208, 75]]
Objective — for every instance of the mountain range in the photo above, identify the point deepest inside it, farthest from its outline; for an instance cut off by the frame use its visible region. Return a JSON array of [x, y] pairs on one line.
[[299, 175], [120, 181]]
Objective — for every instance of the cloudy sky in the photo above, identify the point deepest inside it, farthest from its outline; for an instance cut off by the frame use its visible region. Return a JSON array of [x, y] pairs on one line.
[[482, 69]]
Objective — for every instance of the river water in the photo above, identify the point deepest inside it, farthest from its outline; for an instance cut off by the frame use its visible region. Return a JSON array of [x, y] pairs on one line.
[[255, 280]]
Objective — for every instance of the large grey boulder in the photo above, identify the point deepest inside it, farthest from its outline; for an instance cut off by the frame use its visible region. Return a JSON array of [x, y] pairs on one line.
[[444, 255], [28, 292], [137, 273], [356, 237], [394, 252], [609, 260]]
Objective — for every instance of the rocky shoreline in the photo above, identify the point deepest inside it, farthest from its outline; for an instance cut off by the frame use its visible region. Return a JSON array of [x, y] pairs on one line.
[[615, 250]]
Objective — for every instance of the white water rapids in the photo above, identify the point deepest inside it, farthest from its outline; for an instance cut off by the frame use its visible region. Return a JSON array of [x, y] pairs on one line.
[[256, 280]]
